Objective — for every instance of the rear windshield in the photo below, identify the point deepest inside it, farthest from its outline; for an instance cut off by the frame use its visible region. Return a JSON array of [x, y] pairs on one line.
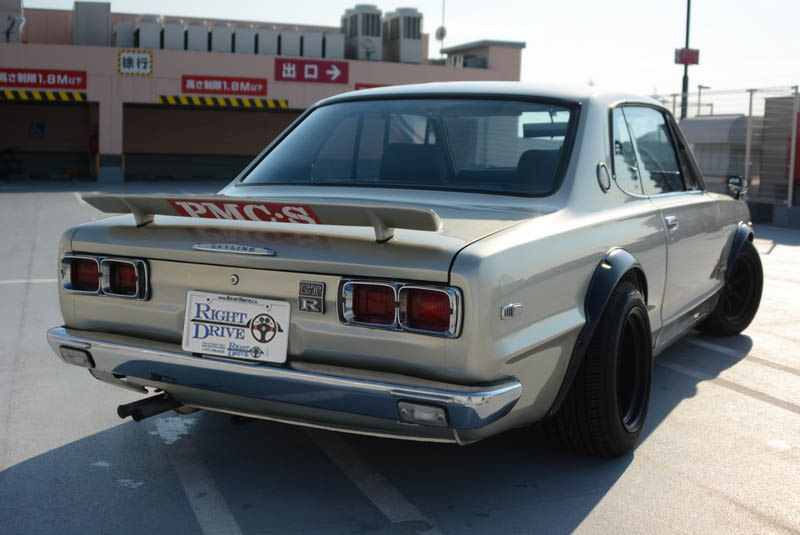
[[490, 146]]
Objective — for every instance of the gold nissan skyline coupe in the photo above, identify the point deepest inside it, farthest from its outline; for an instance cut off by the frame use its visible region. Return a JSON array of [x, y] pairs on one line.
[[437, 262]]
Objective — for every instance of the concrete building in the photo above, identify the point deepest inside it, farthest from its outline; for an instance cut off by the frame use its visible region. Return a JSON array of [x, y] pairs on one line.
[[76, 105]]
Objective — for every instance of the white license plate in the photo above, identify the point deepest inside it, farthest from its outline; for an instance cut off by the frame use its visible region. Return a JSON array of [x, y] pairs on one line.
[[236, 327]]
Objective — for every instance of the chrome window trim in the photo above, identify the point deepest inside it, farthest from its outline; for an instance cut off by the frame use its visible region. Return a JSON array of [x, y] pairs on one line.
[[140, 266], [346, 316], [103, 287], [453, 294], [667, 117], [66, 274]]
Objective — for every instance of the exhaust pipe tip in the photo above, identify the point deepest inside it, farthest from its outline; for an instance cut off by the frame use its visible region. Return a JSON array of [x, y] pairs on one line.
[[147, 407]]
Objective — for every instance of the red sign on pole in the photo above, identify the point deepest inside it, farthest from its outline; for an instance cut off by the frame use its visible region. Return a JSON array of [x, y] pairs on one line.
[[311, 70], [42, 78], [687, 56], [223, 85]]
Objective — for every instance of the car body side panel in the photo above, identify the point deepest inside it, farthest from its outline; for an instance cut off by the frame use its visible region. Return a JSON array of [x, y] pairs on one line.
[[536, 264], [694, 251], [702, 257]]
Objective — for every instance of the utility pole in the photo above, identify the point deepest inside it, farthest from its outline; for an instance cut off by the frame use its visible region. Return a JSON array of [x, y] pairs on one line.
[[700, 88], [748, 164], [685, 89]]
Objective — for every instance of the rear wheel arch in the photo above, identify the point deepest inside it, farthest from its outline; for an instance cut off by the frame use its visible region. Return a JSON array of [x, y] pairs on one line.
[[617, 266], [742, 234]]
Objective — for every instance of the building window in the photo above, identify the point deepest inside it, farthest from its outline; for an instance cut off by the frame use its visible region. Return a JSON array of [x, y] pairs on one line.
[[353, 25]]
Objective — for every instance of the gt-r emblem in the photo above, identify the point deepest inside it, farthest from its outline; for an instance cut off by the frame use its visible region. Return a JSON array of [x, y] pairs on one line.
[[311, 297]]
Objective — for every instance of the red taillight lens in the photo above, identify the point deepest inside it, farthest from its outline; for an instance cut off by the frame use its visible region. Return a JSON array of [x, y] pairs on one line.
[[373, 303], [122, 278], [84, 275], [426, 310]]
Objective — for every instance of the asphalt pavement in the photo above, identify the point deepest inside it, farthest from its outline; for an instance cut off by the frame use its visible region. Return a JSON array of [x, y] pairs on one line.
[[721, 452]]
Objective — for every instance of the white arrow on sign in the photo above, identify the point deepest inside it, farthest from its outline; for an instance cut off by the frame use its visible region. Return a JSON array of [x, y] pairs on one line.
[[333, 72]]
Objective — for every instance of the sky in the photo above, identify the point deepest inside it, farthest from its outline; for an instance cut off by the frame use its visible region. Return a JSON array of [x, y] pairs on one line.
[[623, 45]]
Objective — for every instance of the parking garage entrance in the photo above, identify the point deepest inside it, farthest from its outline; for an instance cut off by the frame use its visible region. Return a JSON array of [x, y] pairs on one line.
[[178, 142], [47, 135]]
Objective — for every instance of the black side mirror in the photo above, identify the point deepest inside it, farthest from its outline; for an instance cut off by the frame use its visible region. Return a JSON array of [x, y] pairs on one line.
[[737, 185]]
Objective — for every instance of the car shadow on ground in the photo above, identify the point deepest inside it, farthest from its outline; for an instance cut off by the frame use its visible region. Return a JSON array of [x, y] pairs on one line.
[[273, 478]]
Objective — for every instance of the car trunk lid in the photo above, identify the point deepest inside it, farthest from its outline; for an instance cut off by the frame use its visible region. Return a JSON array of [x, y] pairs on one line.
[[338, 237]]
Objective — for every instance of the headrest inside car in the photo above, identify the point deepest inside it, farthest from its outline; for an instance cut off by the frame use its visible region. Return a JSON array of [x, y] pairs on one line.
[[538, 167], [412, 163]]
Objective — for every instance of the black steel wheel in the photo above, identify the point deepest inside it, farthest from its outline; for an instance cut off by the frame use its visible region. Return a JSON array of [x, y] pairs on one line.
[[740, 297], [605, 410]]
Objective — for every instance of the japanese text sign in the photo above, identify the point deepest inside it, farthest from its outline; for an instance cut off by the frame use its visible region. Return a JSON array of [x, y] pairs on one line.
[[687, 56], [311, 70], [223, 85], [135, 62], [43, 79]]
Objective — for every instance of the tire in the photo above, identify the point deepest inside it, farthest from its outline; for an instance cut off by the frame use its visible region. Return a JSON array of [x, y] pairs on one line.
[[740, 297], [605, 410]]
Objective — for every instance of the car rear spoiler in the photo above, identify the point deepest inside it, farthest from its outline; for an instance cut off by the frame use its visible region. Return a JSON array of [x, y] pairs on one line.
[[383, 218]]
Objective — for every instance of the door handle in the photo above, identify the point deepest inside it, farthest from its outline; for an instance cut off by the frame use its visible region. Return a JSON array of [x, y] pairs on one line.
[[672, 223]]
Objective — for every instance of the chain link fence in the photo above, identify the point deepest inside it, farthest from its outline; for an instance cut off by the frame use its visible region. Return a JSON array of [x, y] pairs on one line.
[[750, 133]]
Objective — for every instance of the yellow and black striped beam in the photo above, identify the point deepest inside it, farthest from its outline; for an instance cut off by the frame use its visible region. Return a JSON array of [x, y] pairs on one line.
[[224, 102], [27, 95]]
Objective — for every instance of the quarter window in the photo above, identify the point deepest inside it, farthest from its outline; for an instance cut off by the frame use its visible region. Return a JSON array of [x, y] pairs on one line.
[[626, 169], [658, 164]]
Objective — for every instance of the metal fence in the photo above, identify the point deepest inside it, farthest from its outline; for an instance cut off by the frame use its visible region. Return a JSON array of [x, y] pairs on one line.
[[750, 133]]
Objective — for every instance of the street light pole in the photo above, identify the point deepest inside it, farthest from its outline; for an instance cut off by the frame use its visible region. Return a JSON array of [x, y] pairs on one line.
[[685, 89]]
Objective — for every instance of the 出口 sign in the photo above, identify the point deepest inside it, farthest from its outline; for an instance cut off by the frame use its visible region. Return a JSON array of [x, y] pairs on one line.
[[135, 62], [223, 85], [42, 78], [311, 70]]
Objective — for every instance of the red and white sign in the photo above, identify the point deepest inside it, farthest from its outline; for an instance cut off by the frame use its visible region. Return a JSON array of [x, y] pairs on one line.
[[246, 211], [223, 85], [311, 70], [361, 85], [687, 56], [42, 78]]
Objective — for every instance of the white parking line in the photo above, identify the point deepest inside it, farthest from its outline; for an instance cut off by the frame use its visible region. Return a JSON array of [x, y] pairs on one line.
[[714, 347], [209, 505], [28, 281], [375, 486], [78, 198], [730, 385], [739, 356]]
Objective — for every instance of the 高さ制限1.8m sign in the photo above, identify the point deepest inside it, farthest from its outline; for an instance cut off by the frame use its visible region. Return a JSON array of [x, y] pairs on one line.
[[42, 78], [223, 85]]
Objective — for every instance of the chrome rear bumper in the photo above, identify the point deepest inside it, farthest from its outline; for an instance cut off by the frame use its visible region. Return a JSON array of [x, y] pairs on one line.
[[339, 398]]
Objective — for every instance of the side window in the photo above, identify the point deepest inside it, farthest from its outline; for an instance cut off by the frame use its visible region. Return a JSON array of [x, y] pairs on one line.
[[370, 149], [659, 166], [689, 172], [335, 158], [406, 128], [626, 170]]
